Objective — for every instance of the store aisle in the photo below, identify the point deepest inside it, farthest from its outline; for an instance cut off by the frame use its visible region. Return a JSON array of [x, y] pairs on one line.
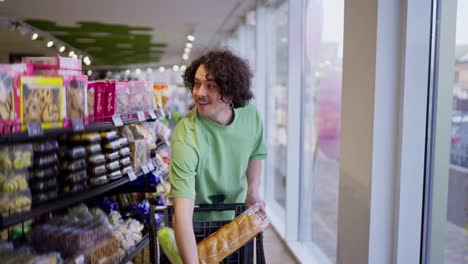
[[275, 251]]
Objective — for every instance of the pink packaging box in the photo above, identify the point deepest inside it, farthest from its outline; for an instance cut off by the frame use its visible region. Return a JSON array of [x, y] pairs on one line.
[[122, 90], [141, 96], [10, 95], [99, 101], [53, 72], [76, 98], [110, 107], [95, 97], [53, 63]]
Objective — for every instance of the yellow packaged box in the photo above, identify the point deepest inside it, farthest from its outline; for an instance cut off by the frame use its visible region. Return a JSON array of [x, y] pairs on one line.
[[42, 100]]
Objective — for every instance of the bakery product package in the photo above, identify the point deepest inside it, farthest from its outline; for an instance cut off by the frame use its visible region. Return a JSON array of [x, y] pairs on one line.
[[76, 98], [42, 100], [9, 94], [232, 236]]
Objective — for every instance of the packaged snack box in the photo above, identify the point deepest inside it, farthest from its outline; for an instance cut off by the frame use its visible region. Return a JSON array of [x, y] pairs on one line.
[[76, 98], [47, 63], [9, 95], [41, 100]]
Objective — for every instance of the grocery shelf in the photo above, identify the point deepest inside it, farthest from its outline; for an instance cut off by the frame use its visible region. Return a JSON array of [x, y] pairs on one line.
[[63, 202], [54, 132], [139, 247], [160, 145]]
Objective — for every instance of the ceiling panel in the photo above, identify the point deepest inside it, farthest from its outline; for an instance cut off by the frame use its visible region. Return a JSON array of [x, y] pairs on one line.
[[169, 21]]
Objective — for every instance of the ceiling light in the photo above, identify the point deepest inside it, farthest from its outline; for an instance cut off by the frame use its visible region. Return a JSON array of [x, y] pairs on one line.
[[75, 56], [86, 60], [62, 49], [191, 37], [185, 57], [90, 72], [149, 70], [71, 53], [175, 68], [127, 72], [187, 50], [34, 36], [183, 68], [188, 45], [162, 69], [137, 71], [50, 44]]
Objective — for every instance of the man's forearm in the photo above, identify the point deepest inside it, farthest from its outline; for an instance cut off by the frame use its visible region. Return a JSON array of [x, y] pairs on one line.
[[186, 242], [183, 229]]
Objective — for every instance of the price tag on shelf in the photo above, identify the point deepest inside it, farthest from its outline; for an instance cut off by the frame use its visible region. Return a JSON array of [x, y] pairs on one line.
[[131, 175], [145, 169], [141, 116], [77, 125], [151, 166], [117, 121], [35, 129], [152, 114]]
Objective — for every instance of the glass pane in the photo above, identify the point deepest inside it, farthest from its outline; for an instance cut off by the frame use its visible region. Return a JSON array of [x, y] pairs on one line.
[[277, 103], [321, 104], [456, 241]]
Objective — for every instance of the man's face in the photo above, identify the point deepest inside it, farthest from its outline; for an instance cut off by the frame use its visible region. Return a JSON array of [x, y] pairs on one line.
[[206, 95]]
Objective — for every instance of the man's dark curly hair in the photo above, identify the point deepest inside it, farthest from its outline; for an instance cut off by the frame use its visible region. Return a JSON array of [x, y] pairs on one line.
[[231, 73]]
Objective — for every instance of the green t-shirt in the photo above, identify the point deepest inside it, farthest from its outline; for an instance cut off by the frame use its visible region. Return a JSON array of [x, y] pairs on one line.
[[209, 159]]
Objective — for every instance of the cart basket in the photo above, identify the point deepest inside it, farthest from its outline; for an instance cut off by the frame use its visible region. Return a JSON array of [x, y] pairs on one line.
[[203, 229]]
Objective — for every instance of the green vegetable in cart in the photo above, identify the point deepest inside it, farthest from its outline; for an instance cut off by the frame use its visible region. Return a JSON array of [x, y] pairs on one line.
[[168, 244]]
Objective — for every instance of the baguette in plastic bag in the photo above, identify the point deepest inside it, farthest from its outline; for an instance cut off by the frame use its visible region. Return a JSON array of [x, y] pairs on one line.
[[232, 236]]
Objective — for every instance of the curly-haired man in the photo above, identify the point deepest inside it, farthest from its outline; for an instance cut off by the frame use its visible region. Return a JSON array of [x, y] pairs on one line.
[[218, 147]]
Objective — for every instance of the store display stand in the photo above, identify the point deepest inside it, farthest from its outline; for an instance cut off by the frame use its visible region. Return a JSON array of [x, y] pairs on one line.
[[67, 200]]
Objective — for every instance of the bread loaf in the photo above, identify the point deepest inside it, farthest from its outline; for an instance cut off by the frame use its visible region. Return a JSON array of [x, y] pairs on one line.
[[232, 236]]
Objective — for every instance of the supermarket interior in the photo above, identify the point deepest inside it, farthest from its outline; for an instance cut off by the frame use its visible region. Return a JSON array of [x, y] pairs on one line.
[[360, 105]]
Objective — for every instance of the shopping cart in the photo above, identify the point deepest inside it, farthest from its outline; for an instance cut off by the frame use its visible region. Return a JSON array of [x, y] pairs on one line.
[[203, 229]]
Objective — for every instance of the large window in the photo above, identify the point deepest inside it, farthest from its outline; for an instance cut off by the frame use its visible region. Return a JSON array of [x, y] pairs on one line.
[[447, 221], [276, 65], [321, 90]]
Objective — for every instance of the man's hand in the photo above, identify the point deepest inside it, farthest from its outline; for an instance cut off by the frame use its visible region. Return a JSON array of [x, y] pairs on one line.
[[253, 198]]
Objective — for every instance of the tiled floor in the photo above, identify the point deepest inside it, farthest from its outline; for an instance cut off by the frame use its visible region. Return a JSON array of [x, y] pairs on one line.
[[275, 251]]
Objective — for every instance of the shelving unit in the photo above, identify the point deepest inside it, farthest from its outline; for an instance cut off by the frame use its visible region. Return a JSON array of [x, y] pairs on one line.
[[63, 202], [67, 200], [17, 137]]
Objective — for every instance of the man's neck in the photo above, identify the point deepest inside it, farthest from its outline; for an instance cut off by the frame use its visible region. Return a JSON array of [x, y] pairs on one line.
[[225, 118]]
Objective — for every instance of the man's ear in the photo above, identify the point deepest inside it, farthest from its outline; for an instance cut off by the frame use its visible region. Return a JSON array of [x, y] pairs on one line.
[[226, 99]]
